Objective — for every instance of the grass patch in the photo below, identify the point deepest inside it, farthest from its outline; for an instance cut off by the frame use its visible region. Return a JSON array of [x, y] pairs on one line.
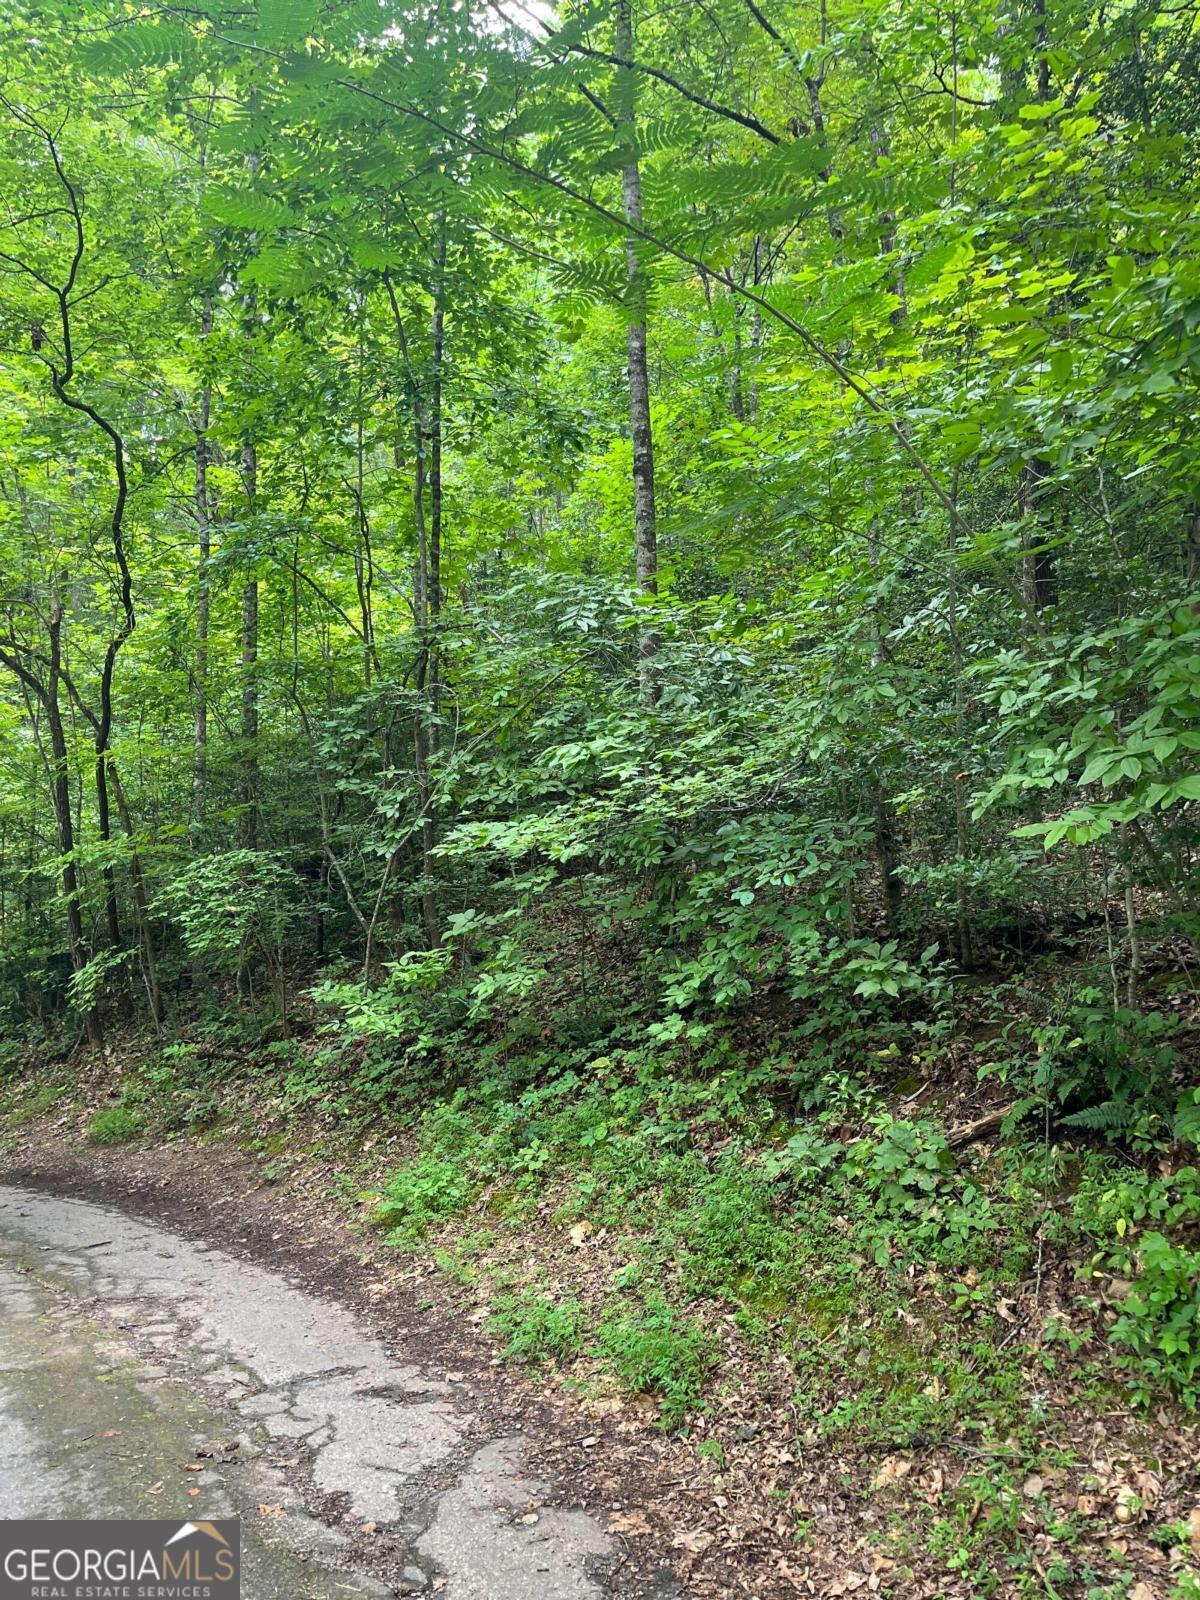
[[115, 1125], [655, 1349], [535, 1327], [42, 1098]]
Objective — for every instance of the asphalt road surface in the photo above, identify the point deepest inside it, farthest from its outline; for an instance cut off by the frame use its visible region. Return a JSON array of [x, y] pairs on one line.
[[144, 1375]]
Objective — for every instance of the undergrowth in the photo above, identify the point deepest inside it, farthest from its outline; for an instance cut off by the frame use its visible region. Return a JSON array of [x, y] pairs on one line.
[[810, 1204]]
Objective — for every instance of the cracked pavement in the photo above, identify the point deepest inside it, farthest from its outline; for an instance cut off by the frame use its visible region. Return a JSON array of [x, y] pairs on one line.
[[172, 1344]]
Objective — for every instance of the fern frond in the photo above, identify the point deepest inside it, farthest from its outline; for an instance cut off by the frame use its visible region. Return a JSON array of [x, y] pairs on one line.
[[1108, 1117]]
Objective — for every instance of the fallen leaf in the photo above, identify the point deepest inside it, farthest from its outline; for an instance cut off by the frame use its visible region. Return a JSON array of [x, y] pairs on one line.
[[113, 1433], [1194, 1529], [530, 1518], [194, 1466], [193, 1492], [633, 1523], [1033, 1486], [438, 1583], [579, 1233], [891, 1470], [847, 1583], [1142, 1591], [154, 1487], [368, 1527], [590, 1442], [271, 1511], [697, 1541]]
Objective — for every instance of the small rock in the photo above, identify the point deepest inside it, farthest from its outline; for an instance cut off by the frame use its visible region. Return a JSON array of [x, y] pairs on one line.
[[413, 1581]]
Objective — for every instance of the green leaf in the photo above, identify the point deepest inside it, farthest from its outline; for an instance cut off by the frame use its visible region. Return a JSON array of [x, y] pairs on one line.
[[1121, 270], [284, 22], [1096, 767]]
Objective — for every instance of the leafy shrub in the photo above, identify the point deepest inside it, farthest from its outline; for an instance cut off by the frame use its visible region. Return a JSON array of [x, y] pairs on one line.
[[1159, 1323], [657, 1350], [115, 1125], [420, 1194], [234, 907], [1158, 1328], [906, 1178], [1102, 1070]]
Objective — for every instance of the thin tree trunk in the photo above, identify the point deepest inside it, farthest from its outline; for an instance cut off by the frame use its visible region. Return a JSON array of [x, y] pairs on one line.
[[249, 729], [204, 555], [112, 919], [61, 794], [140, 904], [429, 913], [364, 567], [1039, 580], [433, 586], [961, 835], [645, 522], [756, 333], [886, 849], [427, 590], [1133, 976]]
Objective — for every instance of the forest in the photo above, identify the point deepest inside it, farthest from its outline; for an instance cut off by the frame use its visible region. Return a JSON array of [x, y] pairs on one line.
[[600, 648]]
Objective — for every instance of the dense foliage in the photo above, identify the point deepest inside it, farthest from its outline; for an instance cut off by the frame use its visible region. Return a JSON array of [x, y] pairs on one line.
[[620, 549]]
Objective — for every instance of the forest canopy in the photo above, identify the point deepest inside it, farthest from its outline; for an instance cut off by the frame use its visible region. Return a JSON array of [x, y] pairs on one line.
[[655, 543], [731, 477]]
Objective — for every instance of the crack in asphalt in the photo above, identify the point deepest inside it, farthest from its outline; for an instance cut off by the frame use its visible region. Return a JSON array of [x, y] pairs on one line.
[[386, 1441]]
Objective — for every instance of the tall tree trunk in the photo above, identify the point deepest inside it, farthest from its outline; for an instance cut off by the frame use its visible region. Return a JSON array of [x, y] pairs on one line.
[[112, 919], [202, 509], [61, 795], [961, 828], [756, 332], [433, 587], [886, 846], [1191, 554], [249, 729], [1039, 579], [249, 464], [645, 523], [140, 905], [428, 591], [364, 566], [421, 722]]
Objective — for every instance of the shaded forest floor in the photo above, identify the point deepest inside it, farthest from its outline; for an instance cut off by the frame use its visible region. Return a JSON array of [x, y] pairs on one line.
[[793, 1351]]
